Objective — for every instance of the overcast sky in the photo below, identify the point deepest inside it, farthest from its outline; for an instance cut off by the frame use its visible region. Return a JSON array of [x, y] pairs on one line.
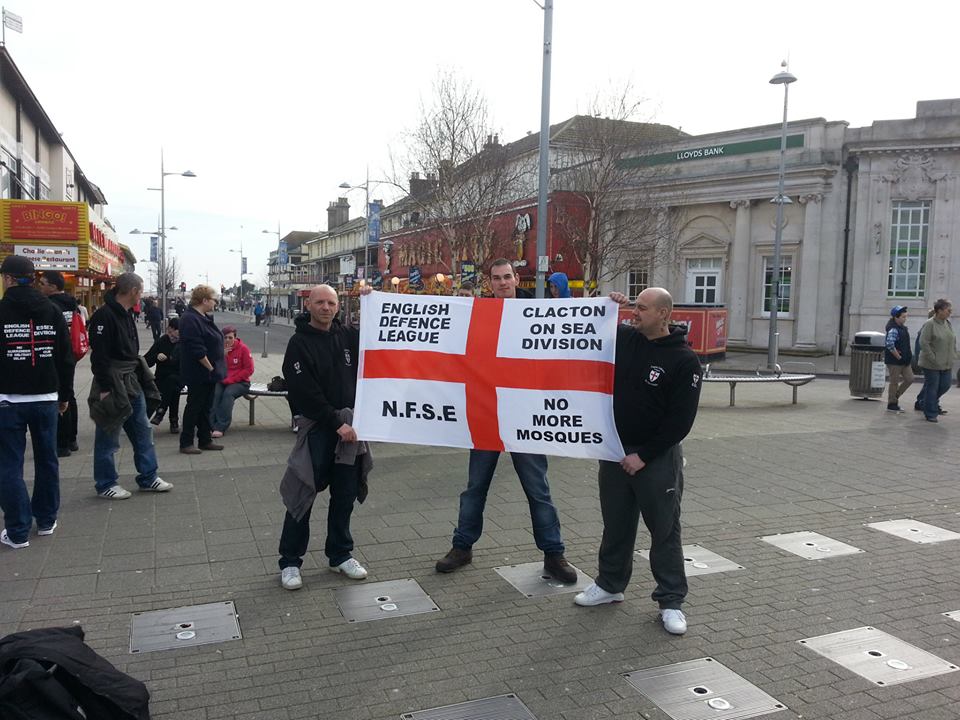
[[273, 105]]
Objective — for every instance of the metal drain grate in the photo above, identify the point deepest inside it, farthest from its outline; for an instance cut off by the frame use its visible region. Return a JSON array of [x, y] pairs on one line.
[[698, 560], [501, 707], [184, 627], [383, 600], [915, 531], [880, 658], [532, 581], [702, 689], [810, 545]]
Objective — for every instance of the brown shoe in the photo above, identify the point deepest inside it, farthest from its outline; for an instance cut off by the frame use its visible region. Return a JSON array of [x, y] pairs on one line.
[[454, 559], [556, 566], [211, 446], [190, 450]]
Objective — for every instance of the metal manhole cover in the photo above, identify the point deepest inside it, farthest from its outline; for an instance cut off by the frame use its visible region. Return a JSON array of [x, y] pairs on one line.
[[501, 707], [184, 627], [698, 560], [702, 689], [383, 600], [530, 580], [915, 531], [880, 658], [810, 545]]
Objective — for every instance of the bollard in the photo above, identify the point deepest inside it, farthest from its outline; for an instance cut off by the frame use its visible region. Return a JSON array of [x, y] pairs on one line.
[[266, 334]]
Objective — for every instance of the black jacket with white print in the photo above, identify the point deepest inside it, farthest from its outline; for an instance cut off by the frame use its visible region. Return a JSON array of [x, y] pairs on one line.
[[656, 391]]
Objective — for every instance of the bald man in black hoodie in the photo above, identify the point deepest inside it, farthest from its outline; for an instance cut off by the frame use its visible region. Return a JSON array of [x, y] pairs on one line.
[[655, 396]]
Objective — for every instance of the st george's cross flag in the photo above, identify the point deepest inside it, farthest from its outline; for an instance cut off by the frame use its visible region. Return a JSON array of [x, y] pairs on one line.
[[533, 376]]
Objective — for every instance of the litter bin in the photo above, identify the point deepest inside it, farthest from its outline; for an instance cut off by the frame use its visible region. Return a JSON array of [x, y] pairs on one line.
[[868, 374]]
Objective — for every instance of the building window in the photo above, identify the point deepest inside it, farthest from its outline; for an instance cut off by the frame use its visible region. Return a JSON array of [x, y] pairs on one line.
[[28, 189], [704, 277], [786, 284], [909, 228], [44, 192], [8, 174], [637, 281]]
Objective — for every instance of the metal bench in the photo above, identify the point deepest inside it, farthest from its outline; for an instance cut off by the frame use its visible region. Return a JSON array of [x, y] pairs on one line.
[[256, 390], [793, 379]]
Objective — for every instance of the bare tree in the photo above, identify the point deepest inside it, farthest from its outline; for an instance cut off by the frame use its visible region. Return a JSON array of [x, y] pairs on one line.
[[621, 221], [171, 272], [456, 177]]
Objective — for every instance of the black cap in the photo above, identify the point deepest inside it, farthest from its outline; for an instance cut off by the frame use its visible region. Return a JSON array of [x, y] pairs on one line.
[[17, 266]]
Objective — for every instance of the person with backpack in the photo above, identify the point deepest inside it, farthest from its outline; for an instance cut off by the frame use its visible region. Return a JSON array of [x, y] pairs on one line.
[[51, 284], [897, 356]]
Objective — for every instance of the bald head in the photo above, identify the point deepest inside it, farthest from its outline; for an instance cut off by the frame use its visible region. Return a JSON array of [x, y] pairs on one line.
[[659, 298], [323, 306], [651, 315]]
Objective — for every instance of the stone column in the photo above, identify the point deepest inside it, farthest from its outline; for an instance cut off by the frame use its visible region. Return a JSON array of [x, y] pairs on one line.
[[804, 300], [739, 272]]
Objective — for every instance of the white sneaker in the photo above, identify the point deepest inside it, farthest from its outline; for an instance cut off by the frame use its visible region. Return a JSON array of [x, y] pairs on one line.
[[351, 568], [290, 578], [47, 530], [596, 595], [158, 485], [674, 621], [114, 492], [5, 539]]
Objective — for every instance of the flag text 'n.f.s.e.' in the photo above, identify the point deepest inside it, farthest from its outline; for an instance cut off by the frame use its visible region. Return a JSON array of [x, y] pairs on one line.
[[531, 376]]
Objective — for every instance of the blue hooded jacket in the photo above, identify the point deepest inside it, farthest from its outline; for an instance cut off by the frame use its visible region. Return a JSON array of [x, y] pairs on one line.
[[560, 281]]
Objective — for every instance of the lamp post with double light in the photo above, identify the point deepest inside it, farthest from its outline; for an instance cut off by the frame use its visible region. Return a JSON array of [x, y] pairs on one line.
[[243, 271], [161, 260], [784, 77], [365, 186], [276, 264], [163, 235]]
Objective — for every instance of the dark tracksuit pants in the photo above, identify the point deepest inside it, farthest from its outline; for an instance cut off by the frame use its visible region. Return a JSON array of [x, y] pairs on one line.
[[170, 387], [67, 426], [196, 415], [654, 494], [344, 486]]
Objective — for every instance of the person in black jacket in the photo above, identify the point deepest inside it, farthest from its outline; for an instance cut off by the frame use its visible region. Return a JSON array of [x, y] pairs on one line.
[[165, 355], [655, 395], [51, 284], [115, 361], [36, 380], [154, 317], [897, 356], [320, 368], [202, 366]]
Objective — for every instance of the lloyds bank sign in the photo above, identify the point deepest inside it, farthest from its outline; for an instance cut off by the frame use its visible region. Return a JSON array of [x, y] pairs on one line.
[[710, 151]]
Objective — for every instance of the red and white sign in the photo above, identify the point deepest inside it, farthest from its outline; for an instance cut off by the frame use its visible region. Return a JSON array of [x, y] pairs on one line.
[[39, 220], [50, 257], [530, 376]]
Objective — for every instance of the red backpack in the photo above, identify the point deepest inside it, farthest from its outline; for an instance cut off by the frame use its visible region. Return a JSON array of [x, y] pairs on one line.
[[79, 340]]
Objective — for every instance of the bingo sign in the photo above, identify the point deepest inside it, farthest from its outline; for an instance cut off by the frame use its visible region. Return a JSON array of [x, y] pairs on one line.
[[532, 376], [45, 221], [50, 257]]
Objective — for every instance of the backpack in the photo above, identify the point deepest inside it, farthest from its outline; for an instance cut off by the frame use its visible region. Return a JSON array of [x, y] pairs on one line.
[[79, 340]]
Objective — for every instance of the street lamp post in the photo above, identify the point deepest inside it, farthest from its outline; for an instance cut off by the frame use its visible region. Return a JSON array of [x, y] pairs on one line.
[[240, 286], [544, 178], [277, 264], [161, 261], [366, 217], [784, 78], [163, 234]]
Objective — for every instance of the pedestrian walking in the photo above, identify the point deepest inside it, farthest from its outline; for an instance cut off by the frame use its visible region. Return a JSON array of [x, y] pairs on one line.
[[897, 356], [531, 470], [258, 312], [154, 319], [51, 284], [165, 356], [122, 384], [201, 367], [938, 351], [239, 361], [656, 391], [36, 381], [320, 368]]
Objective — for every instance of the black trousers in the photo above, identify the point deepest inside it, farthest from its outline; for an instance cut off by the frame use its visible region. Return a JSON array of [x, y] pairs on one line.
[[67, 425], [196, 415], [344, 482], [170, 387], [654, 494]]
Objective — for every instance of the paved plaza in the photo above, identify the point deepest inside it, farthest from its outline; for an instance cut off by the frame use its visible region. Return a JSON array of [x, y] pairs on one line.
[[830, 465]]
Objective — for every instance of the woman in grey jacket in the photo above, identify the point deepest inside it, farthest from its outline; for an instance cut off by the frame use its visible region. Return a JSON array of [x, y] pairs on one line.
[[938, 350]]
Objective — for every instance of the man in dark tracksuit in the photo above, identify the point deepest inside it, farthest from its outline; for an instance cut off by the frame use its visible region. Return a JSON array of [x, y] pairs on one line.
[[51, 284], [655, 396], [320, 367]]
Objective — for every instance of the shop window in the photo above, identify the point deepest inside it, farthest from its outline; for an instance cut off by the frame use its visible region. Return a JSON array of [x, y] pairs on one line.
[[8, 175], [786, 284], [637, 281], [704, 281], [909, 228], [28, 187]]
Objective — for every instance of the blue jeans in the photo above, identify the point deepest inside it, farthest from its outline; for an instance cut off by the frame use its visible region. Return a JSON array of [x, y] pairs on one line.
[[223, 398], [532, 471], [106, 444], [935, 384], [18, 508]]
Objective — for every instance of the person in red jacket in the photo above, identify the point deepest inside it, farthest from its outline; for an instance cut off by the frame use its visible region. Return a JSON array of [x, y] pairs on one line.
[[236, 383]]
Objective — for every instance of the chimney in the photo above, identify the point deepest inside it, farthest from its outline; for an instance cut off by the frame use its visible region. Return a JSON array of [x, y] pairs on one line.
[[338, 213], [420, 186]]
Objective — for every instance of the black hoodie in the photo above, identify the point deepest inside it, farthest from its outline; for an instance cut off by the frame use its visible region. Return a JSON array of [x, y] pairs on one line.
[[113, 336], [656, 391], [320, 368], [36, 357]]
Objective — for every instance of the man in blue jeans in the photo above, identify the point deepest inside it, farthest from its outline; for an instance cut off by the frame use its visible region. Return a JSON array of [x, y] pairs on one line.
[[36, 380], [532, 471], [117, 394]]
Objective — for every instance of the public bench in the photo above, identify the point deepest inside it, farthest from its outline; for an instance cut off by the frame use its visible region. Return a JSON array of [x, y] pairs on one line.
[[778, 375], [256, 390]]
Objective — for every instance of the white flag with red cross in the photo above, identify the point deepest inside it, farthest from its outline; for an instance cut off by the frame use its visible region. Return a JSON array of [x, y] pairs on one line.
[[533, 376]]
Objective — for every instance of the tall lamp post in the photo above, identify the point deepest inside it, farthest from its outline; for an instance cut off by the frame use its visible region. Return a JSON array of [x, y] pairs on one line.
[[366, 216], [544, 177], [163, 234], [161, 259], [269, 274], [784, 78], [243, 271]]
